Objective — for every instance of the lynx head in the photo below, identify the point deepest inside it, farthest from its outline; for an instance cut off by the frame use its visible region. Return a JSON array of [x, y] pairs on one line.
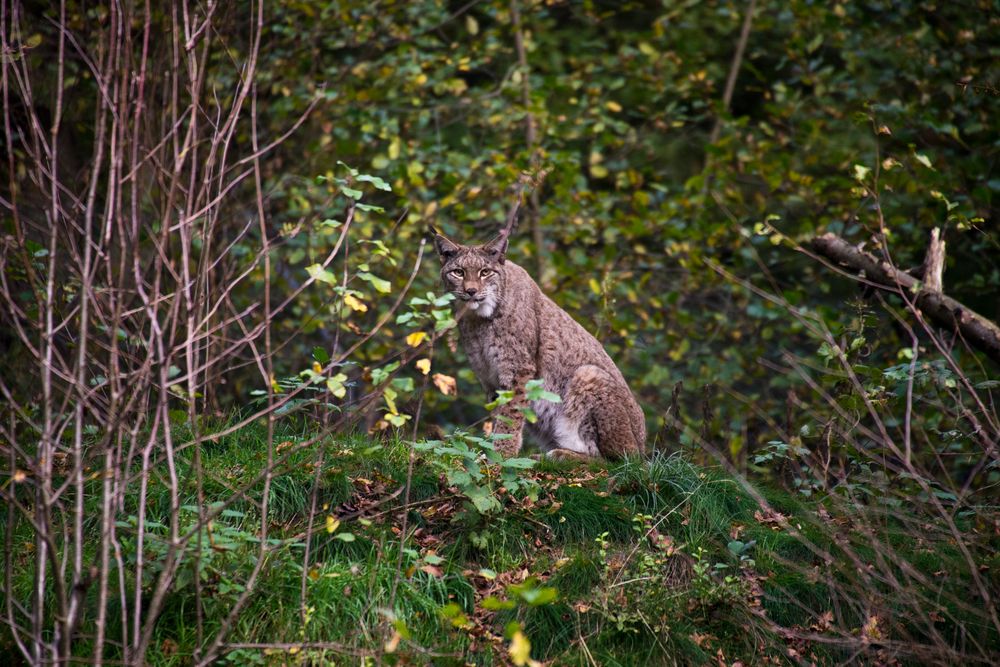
[[474, 274]]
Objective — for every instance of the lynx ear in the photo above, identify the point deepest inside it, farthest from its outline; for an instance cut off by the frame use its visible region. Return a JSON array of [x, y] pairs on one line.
[[446, 248], [497, 248]]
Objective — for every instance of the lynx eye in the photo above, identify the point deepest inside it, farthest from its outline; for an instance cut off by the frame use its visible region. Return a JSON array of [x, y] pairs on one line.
[[486, 273], [458, 273]]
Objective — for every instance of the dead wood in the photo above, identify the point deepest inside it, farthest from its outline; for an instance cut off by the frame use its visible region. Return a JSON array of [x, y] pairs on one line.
[[944, 311]]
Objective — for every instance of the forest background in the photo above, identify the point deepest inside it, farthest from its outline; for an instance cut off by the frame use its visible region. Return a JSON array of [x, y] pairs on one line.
[[215, 219]]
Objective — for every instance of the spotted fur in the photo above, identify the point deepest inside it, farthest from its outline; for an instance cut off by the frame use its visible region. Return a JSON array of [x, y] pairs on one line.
[[513, 333]]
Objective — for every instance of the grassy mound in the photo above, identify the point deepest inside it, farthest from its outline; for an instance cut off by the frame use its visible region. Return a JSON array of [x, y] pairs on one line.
[[638, 562]]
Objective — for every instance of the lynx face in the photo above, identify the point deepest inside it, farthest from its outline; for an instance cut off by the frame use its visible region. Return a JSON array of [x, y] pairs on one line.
[[474, 274]]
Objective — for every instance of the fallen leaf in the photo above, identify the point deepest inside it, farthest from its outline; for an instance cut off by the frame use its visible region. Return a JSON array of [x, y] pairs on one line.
[[870, 630], [432, 570]]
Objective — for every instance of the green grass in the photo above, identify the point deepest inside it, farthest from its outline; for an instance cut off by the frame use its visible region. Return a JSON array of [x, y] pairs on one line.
[[623, 598]]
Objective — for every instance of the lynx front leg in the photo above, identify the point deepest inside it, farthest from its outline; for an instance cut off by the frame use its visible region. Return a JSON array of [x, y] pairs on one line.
[[507, 420], [509, 417]]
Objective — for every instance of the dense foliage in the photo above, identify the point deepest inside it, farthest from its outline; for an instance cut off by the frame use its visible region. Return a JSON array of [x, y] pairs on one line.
[[637, 203], [682, 156]]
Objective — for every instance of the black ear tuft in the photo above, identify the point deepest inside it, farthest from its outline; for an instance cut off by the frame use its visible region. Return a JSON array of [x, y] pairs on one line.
[[446, 248], [497, 248]]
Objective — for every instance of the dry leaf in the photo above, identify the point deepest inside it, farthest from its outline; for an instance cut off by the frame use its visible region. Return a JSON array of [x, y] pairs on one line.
[[432, 570], [871, 631], [445, 383], [393, 643]]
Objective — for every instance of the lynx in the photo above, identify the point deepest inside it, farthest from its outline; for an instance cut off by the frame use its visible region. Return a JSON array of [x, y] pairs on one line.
[[513, 333]]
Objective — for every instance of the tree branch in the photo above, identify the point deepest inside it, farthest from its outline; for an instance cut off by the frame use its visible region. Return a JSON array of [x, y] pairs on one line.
[[943, 310]]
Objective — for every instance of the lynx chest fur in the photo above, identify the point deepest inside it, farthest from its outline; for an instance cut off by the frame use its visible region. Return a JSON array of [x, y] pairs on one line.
[[513, 333]]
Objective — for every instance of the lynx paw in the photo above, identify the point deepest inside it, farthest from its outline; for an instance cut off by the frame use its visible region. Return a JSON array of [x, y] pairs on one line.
[[568, 455]]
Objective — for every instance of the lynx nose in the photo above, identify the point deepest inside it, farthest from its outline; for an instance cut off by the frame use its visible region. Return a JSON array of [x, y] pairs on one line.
[[471, 291]]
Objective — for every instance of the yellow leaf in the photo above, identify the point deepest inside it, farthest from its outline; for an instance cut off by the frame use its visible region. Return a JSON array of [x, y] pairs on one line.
[[415, 338], [613, 106], [331, 524], [445, 383], [275, 387], [423, 365], [598, 170], [471, 24], [520, 649], [355, 303], [420, 79], [871, 630], [336, 385], [394, 147], [595, 286], [317, 368]]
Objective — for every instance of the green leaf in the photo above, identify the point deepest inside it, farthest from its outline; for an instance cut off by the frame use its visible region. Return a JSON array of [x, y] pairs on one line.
[[403, 384], [397, 420], [376, 181], [383, 286], [336, 385], [493, 603], [317, 272], [533, 595]]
